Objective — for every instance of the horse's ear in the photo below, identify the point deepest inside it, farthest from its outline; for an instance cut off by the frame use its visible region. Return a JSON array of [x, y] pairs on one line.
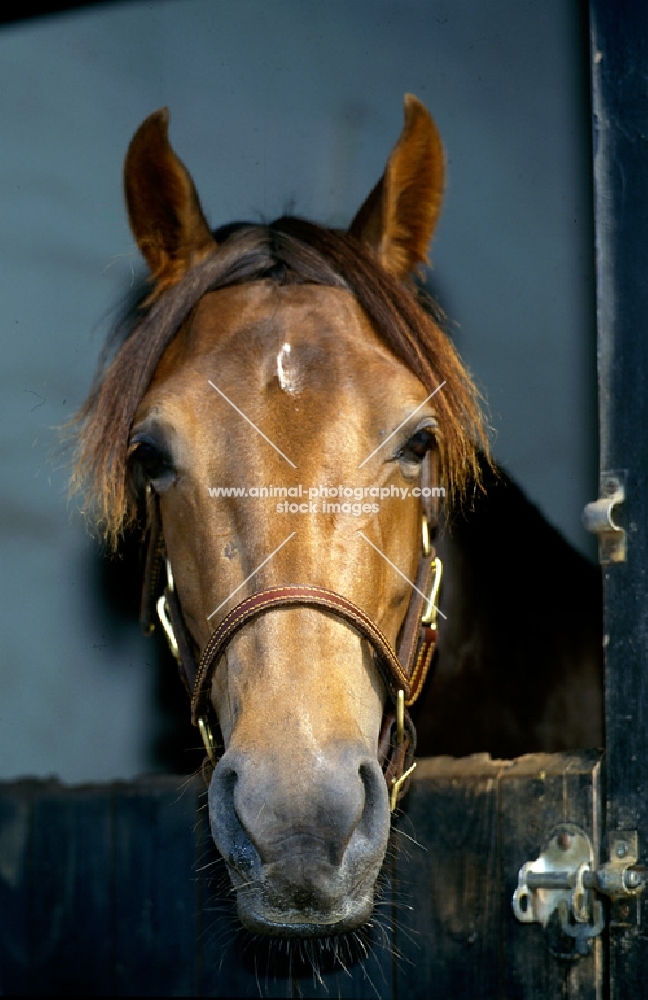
[[399, 217], [163, 207]]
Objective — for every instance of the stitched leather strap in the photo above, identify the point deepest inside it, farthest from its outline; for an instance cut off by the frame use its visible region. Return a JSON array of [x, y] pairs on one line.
[[424, 653], [295, 595]]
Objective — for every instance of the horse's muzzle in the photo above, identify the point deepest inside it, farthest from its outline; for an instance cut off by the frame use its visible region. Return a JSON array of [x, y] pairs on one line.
[[303, 848]]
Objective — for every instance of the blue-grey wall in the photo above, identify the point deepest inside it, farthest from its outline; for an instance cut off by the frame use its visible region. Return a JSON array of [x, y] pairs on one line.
[[274, 103]]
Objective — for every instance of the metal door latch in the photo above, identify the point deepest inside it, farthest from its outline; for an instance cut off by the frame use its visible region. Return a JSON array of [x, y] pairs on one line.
[[598, 518], [563, 880]]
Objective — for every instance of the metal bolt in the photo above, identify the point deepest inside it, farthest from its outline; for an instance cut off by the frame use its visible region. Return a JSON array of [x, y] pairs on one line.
[[621, 849], [632, 879], [563, 840]]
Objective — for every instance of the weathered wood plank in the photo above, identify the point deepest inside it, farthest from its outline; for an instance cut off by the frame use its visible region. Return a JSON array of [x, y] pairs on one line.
[[155, 892], [447, 901], [70, 904], [537, 793], [15, 878], [479, 820]]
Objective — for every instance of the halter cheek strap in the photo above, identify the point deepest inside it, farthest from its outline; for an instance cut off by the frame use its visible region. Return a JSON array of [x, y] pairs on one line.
[[403, 672]]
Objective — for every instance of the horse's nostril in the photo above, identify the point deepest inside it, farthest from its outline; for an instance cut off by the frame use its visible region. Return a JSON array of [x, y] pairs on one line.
[[376, 809], [367, 775], [243, 856], [229, 833]]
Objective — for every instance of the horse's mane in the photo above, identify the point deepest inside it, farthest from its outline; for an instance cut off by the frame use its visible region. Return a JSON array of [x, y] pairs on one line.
[[287, 251]]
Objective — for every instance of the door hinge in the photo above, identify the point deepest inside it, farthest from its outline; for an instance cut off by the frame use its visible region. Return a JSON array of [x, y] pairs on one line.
[[598, 517], [559, 888]]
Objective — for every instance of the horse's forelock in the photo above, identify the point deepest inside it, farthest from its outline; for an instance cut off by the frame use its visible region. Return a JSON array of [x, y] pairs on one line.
[[287, 251]]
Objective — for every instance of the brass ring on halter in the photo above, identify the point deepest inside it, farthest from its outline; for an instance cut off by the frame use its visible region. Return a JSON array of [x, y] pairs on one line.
[[400, 717], [426, 538], [208, 739]]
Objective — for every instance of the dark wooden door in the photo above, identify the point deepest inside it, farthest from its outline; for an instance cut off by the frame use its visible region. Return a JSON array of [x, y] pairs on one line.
[[619, 54], [117, 890]]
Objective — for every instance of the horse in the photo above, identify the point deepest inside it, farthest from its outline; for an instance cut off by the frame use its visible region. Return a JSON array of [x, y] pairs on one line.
[[283, 419]]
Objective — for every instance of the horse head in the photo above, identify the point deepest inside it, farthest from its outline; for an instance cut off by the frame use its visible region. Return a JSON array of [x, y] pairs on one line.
[[279, 409]]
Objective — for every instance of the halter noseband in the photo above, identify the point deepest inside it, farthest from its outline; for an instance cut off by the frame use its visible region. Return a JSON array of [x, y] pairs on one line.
[[403, 672]]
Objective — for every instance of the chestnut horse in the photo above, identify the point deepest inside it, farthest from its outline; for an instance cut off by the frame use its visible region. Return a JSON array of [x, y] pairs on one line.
[[291, 359]]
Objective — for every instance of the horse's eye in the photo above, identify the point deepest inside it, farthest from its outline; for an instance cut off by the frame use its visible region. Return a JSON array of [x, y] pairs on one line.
[[417, 446], [413, 451], [151, 462]]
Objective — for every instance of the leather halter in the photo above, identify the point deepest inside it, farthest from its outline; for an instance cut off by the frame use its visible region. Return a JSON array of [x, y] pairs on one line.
[[403, 672]]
